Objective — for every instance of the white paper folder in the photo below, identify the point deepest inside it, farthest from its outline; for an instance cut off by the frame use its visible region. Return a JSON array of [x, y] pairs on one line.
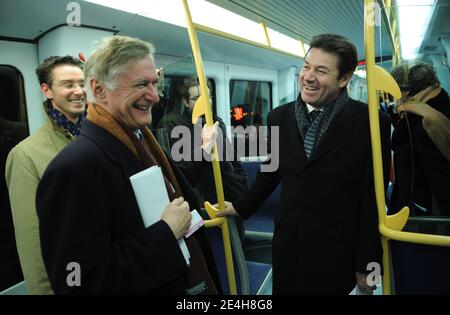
[[152, 199]]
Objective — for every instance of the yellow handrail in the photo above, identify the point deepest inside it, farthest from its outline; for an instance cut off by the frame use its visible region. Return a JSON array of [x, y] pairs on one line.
[[302, 44], [390, 226], [203, 107], [417, 238], [266, 33], [223, 225], [384, 11], [373, 107], [212, 31]]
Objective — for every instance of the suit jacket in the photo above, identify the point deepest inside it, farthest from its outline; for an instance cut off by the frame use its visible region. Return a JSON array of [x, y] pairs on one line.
[[89, 215], [326, 227]]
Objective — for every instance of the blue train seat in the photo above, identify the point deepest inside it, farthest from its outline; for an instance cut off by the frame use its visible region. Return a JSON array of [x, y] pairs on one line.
[[261, 222], [17, 289], [418, 268]]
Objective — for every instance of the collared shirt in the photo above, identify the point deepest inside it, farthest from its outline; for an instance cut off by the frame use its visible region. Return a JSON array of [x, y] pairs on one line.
[[138, 134], [313, 112], [311, 108]]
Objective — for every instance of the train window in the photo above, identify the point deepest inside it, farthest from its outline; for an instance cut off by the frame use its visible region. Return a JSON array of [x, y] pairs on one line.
[[171, 108], [13, 129], [251, 101], [357, 87]]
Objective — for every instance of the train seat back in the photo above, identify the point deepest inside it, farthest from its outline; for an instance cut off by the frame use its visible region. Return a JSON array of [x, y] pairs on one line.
[[251, 277], [262, 220]]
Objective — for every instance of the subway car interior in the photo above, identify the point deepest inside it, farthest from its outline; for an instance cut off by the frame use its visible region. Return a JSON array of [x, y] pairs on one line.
[[252, 53]]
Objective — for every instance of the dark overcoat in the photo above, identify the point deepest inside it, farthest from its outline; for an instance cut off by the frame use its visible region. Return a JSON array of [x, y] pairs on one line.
[[422, 173], [326, 227], [89, 215]]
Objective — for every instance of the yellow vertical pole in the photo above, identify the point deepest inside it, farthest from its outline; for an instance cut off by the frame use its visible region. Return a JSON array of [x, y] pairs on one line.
[[302, 44], [387, 4], [266, 34], [387, 288], [394, 31], [207, 108], [215, 158], [394, 27], [369, 23]]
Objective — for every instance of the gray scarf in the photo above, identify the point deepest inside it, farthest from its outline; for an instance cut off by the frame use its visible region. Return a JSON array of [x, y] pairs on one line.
[[321, 124]]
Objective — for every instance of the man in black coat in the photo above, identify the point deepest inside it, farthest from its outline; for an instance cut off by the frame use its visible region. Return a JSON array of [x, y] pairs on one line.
[[93, 237], [197, 169], [422, 171], [326, 228]]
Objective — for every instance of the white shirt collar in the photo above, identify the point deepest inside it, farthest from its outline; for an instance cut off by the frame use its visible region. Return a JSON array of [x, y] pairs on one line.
[[310, 108], [138, 134]]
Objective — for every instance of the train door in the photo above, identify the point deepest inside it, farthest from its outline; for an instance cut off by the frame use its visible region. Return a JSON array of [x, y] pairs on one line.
[[13, 129]]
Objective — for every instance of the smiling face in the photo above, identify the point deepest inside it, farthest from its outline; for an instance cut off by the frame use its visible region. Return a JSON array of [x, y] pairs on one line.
[[135, 93], [319, 78], [67, 91]]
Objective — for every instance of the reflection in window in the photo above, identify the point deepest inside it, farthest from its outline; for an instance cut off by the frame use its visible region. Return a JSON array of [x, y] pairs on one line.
[[172, 110], [251, 101]]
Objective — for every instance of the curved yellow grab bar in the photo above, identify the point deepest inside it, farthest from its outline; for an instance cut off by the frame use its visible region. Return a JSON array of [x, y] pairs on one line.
[[385, 82], [417, 238], [204, 102], [389, 226], [371, 76], [199, 109], [203, 106], [397, 221], [213, 222], [223, 224]]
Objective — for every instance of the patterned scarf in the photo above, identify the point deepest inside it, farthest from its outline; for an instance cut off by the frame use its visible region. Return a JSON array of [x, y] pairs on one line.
[[62, 121], [322, 122]]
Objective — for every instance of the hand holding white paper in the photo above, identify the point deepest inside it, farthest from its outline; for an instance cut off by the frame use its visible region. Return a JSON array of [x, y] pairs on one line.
[[152, 199]]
